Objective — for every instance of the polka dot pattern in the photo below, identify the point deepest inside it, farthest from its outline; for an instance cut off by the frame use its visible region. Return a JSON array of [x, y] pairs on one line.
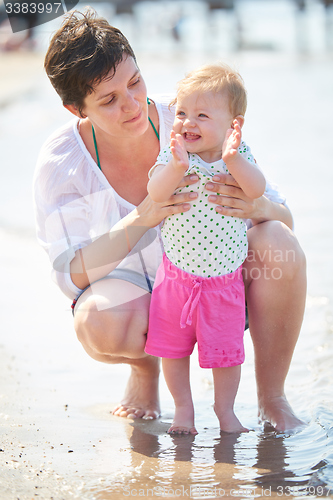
[[202, 241]]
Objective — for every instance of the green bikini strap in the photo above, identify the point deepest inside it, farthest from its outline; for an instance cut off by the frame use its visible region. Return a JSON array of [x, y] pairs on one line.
[[95, 144], [151, 123]]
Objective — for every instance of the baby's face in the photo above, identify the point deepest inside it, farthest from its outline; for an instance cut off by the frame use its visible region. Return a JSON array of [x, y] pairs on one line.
[[204, 119]]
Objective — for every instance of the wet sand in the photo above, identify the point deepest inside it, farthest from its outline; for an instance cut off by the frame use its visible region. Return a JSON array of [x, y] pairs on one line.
[[58, 438]]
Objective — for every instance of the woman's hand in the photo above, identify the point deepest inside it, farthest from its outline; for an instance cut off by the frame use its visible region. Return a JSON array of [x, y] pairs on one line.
[[151, 213], [231, 200]]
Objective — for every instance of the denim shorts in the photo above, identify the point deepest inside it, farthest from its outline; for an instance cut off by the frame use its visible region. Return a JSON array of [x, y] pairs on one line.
[[137, 279]]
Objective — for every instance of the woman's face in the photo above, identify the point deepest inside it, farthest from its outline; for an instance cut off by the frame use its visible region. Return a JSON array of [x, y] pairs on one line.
[[118, 105]]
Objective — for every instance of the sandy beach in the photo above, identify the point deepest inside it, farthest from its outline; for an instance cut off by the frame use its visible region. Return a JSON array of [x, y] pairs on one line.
[[58, 439]]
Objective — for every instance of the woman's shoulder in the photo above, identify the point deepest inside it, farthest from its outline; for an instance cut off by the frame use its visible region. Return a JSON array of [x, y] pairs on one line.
[[60, 156], [166, 115], [63, 169], [162, 102], [60, 142], [163, 98]]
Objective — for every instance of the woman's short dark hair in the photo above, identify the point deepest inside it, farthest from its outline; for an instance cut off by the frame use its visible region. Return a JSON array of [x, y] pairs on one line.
[[82, 52]]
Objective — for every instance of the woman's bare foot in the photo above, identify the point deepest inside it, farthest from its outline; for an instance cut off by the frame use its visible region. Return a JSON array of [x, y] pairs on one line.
[[279, 414], [228, 421], [183, 423], [141, 398]]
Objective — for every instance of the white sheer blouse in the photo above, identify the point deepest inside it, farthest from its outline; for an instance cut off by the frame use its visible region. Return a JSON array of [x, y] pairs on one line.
[[75, 204]]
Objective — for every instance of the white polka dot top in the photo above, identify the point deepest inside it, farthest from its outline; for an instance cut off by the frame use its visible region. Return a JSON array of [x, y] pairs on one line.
[[202, 241]]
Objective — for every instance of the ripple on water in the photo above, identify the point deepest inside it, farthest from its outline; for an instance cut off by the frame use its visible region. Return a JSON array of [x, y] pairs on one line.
[[293, 464]]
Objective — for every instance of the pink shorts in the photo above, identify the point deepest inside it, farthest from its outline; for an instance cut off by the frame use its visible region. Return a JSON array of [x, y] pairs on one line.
[[186, 309]]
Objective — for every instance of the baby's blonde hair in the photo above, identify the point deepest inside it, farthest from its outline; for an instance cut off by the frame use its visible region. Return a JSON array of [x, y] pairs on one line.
[[216, 78]]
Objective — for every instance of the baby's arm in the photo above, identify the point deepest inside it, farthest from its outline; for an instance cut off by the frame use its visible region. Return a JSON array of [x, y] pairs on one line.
[[166, 178], [249, 177]]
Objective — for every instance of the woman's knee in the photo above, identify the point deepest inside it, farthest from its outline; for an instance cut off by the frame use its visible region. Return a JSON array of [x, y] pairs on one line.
[[274, 246], [119, 331]]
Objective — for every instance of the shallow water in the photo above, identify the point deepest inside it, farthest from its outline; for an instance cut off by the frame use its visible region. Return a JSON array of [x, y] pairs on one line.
[[59, 391], [254, 464]]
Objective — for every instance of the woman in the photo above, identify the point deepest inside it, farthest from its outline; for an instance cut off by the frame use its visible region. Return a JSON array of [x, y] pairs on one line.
[[97, 222]]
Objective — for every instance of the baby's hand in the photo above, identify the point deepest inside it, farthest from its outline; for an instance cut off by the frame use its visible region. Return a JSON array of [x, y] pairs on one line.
[[231, 142], [178, 150]]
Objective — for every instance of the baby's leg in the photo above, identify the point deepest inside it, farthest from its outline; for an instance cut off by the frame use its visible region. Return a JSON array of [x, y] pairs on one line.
[[177, 377], [226, 382]]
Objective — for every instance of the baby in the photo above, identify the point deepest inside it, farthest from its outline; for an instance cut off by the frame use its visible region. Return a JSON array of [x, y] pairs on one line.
[[198, 294]]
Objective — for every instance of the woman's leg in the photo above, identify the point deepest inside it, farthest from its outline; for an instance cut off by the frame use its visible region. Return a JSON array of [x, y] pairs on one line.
[[275, 281], [226, 382], [177, 376], [111, 321]]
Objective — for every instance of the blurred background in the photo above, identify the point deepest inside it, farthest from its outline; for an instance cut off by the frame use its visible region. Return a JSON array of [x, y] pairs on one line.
[[227, 25], [282, 48]]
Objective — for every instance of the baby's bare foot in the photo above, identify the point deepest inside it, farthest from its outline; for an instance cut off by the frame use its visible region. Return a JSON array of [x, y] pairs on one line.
[[183, 423], [228, 421], [174, 430], [141, 397]]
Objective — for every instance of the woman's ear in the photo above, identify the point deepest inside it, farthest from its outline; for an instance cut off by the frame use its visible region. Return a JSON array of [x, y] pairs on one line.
[[74, 110], [240, 119]]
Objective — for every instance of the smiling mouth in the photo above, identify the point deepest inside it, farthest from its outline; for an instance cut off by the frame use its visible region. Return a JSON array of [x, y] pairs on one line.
[[135, 118], [190, 137]]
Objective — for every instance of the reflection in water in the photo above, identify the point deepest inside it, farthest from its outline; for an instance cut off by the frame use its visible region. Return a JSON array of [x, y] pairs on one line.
[[213, 464], [260, 463]]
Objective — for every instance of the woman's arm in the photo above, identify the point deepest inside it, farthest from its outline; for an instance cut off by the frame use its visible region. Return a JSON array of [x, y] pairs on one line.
[[231, 200], [266, 209], [98, 259]]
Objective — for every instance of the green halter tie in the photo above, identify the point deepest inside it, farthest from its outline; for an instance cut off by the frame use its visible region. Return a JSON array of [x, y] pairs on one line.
[[151, 123], [95, 144]]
